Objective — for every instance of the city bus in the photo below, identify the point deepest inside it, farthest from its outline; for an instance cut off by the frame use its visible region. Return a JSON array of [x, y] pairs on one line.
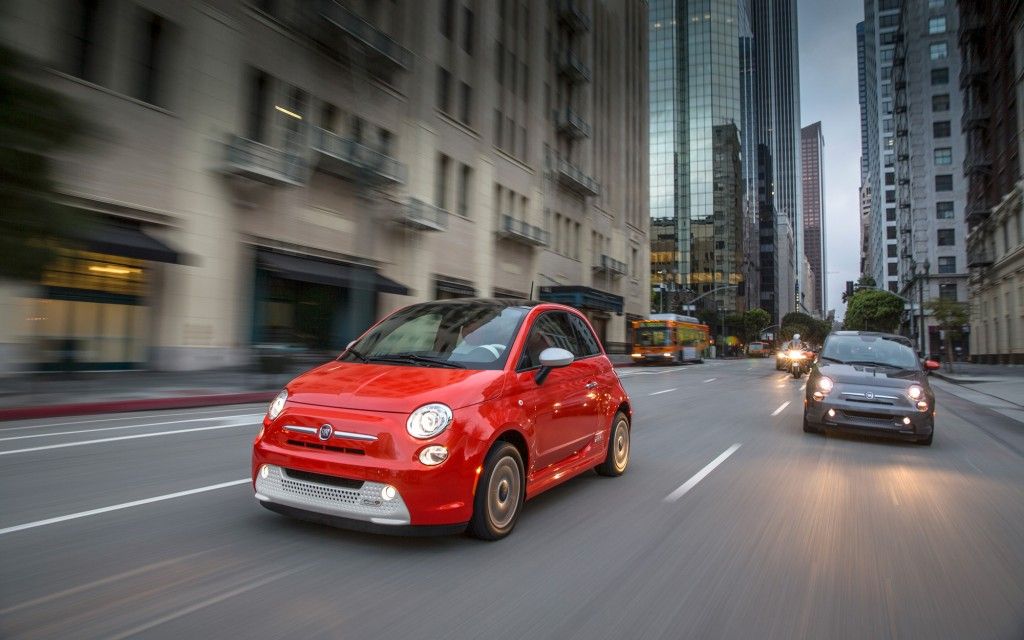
[[670, 338]]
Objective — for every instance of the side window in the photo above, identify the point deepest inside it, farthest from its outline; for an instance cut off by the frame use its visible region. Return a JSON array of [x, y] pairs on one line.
[[549, 330], [589, 346]]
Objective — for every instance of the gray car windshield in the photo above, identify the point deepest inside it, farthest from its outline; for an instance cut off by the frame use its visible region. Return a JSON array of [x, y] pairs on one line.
[[454, 335], [869, 350]]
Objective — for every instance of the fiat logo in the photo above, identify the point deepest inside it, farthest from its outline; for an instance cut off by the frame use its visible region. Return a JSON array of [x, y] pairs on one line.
[[868, 395], [326, 431]]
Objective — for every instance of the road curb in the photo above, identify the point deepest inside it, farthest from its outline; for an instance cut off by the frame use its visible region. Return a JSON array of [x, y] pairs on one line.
[[141, 404]]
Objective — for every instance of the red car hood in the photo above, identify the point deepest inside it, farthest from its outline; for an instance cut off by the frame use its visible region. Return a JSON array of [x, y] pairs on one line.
[[393, 388]]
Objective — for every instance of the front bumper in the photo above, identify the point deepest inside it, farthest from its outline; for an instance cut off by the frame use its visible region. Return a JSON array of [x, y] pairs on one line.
[[880, 419]]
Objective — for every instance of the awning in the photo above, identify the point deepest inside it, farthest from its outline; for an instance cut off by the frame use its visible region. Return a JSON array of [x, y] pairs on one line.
[[320, 271], [125, 240], [454, 287], [583, 298]]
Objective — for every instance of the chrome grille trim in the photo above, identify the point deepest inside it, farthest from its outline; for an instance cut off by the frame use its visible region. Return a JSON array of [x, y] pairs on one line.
[[309, 430], [877, 396], [348, 435]]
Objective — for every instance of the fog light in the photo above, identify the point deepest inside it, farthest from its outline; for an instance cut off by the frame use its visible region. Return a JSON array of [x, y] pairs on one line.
[[638, 355], [388, 493], [434, 455], [906, 421], [265, 471], [831, 413], [819, 396], [922, 406], [667, 354]]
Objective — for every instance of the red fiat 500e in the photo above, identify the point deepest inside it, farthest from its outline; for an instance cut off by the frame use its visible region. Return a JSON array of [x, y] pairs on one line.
[[445, 416]]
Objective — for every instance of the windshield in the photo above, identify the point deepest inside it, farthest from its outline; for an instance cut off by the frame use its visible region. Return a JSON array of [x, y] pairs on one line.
[[651, 337], [869, 350], [463, 335]]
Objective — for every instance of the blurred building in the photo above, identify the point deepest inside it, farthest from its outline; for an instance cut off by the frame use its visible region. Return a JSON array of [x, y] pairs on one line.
[[809, 302], [930, 188], [867, 81], [992, 75], [284, 172], [812, 154]]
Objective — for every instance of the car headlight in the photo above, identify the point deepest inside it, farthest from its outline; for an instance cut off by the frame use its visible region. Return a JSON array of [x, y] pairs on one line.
[[915, 391], [277, 405], [429, 420], [825, 384]]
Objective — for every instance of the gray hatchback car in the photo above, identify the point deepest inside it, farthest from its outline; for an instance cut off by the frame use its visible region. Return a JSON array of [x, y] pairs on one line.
[[871, 383]]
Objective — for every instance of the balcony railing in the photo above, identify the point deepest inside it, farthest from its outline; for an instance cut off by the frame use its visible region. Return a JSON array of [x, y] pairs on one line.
[[979, 258], [977, 161], [970, 24], [571, 13], [263, 163], [423, 216], [570, 66], [611, 266], [349, 159], [975, 116], [523, 232], [571, 177], [972, 71], [379, 49], [572, 124], [976, 212]]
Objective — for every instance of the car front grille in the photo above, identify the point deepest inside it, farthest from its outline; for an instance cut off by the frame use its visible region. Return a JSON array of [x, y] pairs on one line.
[[330, 495], [325, 447], [866, 416]]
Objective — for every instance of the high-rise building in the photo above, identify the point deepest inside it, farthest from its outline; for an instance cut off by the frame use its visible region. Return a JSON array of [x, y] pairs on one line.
[[698, 215], [288, 171], [812, 155], [929, 185], [777, 105], [868, 98], [992, 76]]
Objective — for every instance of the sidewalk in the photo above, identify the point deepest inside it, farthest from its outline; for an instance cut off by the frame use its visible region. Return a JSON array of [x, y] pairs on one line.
[[46, 395], [998, 387]]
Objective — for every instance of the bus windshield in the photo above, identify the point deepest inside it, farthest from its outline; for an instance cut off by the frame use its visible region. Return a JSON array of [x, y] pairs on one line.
[[651, 337]]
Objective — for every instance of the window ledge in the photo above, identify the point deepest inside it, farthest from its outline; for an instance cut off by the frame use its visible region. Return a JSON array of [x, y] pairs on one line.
[[111, 92]]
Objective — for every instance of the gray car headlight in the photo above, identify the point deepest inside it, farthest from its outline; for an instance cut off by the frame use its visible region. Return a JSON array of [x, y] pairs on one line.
[[915, 392], [429, 420]]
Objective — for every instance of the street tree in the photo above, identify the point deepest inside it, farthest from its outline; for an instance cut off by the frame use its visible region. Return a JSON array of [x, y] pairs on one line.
[[35, 123], [951, 316], [754, 322], [874, 310], [810, 328]]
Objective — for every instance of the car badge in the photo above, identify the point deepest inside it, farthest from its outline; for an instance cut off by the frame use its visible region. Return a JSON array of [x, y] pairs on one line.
[[868, 395], [326, 431]]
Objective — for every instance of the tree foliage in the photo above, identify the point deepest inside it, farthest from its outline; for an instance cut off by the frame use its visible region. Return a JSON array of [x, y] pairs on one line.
[[874, 310], [810, 328], [753, 322], [35, 123], [951, 316]]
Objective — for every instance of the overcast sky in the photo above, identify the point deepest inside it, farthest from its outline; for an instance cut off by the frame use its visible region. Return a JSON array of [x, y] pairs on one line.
[[828, 92]]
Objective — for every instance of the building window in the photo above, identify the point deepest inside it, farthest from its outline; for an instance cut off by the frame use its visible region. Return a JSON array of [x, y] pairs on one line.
[[259, 92], [947, 264], [151, 59], [890, 215], [944, 156], [448, 18], [947, 292], [890, 196], [944, 182], [890, 232], [941, 129], [441, 181], [940, 103], [499, 120], [890, 268], [938, 51], [466, 103], [886, 55], [465, 177], [937, 25], [467, 30], [940, 76], [944, 210], [85, 20], [444, 85], [890, 252], [890, 178], [947, 237], [893, 287], [936, 4]]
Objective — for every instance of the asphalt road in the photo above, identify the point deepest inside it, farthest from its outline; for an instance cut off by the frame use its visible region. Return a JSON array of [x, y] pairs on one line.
[[789, 536]]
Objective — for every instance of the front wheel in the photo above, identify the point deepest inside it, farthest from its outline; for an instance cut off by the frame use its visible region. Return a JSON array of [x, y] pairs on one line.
[[500, 494], [797, 372], [617, 458]]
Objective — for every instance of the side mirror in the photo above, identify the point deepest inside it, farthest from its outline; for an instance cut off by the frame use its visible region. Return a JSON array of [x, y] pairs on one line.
[[931, 365], [552, 358]]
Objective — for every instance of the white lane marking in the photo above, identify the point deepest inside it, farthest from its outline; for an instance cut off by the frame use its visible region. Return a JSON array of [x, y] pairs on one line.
[[138, 435], [711, 379], [123, 505], [781, 408], [700, 475], [183, 412], [206, 603], [660, 392], [130, 426]]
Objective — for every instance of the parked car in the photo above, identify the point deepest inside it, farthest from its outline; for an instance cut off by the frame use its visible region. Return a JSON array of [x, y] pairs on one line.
[[445, 416], [872, 383], [757, 350]]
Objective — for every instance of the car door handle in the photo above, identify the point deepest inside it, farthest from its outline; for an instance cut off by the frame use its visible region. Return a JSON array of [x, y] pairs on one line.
[[590, 385]]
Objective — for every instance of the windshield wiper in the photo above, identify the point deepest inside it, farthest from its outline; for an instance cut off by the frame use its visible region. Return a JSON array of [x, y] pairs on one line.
[[412, 357], [361, 357], [830, 359], [872, 363]]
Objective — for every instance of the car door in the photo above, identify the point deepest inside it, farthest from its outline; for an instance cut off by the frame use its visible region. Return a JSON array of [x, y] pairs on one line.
[[561, 406]]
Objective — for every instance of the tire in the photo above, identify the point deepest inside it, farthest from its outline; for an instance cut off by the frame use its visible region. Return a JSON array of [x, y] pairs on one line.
[[616, 460], [809, 428], [500, 493], [927, 440], [797, 374]]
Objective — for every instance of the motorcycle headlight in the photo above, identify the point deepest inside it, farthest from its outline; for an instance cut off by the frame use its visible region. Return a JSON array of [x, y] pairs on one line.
[[825, 384], [277, 405], [429, 420], [915, 392], [796, 355]]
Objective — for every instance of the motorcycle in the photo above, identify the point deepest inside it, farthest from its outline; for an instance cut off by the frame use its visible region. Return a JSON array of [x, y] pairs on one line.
[[799, 362]]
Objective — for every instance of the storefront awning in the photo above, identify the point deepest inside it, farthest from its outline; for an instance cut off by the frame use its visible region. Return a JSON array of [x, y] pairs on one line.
[[125, 240], [320, 271], [583, 298]]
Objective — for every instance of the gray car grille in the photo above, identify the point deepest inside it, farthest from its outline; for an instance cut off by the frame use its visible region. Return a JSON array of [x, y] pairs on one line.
[[358, 502]]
